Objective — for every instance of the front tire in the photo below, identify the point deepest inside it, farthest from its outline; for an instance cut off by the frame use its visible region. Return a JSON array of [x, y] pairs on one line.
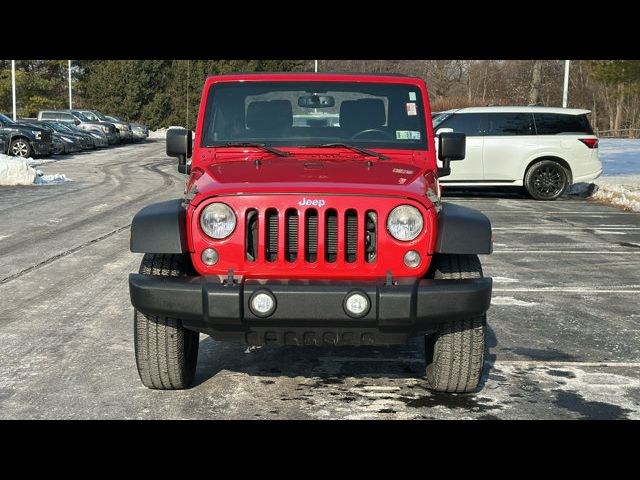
[[21, 147], [166, 352], [455, 353], [546, 180]]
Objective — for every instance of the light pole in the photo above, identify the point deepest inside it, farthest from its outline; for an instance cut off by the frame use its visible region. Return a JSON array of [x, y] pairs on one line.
[[13, 87], [565, 95], [70, 103], [316, 62]]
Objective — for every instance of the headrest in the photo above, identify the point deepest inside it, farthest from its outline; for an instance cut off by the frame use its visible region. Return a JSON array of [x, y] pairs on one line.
[[270, 115], [362, 114]]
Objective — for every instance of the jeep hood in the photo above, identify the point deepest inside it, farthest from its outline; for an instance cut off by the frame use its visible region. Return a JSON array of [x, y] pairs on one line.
[[349, 175]]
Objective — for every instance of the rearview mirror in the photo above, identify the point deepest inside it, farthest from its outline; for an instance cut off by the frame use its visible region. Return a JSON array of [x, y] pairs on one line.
[[180, 145], [316, 101], [451, 146], [76, 122]]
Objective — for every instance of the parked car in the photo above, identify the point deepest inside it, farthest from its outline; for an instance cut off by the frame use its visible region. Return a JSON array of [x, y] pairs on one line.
[[76, 118], [124, 129], [71, 142], [321, 235], [95, 137], [24, 140], [140, 132], [543, 149]]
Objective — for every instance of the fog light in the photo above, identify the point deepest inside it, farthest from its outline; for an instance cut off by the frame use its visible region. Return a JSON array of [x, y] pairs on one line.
[[209, 256], [262, 303], [356, 304], [412, 259]]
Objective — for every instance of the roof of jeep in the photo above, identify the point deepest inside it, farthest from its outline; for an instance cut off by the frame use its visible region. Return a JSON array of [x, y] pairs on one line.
[[374, 74], [319, 76], [519, 109]]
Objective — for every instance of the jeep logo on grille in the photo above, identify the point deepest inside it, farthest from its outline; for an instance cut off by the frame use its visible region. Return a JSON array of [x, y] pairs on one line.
[[305, 202]]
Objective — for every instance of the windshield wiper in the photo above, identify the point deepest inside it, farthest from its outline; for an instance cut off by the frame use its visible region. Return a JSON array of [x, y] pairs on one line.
[[275, 151], [351, 147]]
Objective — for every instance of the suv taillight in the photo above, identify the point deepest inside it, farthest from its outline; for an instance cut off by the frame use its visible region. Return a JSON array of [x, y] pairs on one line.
[[590, 142]]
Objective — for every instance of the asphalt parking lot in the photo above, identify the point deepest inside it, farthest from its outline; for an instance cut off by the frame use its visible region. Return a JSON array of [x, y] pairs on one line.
[[564, 326]]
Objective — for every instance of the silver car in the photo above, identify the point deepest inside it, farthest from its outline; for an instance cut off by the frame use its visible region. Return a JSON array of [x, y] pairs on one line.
[[124, 129], [140, 132]]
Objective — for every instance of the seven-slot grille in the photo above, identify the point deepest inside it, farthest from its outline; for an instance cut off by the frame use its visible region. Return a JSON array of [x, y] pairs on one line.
[[331, 235]]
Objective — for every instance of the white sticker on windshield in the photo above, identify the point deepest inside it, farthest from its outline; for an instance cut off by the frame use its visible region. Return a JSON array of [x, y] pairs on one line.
[[411, 109], [412, 96], [407, 135]]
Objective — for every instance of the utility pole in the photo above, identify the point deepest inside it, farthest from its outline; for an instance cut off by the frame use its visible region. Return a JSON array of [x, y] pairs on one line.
[[565, 95], [70, 103], [316, 62], [13, 87]]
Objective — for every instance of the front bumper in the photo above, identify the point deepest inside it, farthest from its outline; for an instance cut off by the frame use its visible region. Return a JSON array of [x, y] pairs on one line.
[[42, 148], [125, 135], [310, 312]]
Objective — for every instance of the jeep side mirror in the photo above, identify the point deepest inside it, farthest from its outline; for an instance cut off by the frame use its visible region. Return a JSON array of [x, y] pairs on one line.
[[452, 146], [443, 130], [180, 145]]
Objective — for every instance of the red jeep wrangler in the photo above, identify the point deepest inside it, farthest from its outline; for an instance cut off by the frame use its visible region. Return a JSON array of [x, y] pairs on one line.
[[312, 216]]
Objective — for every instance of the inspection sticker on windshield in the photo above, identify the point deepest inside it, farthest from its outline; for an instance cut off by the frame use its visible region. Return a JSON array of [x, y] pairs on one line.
[[411, 109], [412, 96], [407, 135]]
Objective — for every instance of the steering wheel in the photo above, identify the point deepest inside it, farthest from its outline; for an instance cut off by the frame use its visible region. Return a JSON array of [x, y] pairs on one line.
[[372, 130]]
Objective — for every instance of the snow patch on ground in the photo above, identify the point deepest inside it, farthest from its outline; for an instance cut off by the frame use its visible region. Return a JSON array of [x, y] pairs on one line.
[[50, 179], [511, 301], [18, 171]]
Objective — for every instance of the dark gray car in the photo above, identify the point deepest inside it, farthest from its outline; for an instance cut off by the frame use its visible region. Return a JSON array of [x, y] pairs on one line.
[[24, 140], [76, 118]]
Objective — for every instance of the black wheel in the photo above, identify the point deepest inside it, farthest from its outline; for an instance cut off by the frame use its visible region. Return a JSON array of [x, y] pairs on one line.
[[546, 180], [20, 147], [455, 353], [166, 352]]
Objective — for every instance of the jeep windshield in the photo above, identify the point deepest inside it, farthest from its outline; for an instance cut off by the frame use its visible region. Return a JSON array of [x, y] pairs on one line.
[[307, 114]]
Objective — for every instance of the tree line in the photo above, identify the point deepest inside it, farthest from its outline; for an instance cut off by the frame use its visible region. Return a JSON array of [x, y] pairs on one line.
[[167, 92]]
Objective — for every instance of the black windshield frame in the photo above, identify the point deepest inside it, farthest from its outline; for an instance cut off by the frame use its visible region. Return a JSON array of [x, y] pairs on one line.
[[408, 132]]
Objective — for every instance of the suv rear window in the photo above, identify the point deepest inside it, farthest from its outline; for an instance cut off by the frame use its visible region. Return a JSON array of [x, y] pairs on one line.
[[555, 123]]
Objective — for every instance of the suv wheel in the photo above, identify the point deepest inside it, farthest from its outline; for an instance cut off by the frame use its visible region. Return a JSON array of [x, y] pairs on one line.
[[455, 353], [166, 352], [20, 148], [546, 180]]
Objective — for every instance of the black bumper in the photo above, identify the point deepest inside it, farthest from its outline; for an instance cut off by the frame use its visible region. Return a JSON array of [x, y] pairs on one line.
[[42, 148], [310, 312]]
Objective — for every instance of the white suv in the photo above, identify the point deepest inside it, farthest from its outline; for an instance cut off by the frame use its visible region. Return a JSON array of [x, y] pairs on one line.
[[543, 149]]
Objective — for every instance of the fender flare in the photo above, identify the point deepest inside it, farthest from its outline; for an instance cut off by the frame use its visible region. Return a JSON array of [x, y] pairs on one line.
[[160, 228], [462, 230]]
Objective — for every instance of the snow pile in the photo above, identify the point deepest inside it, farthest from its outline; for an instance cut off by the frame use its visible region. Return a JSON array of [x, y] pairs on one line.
[[50, 179], [621, 191], [18, 171], [161, 132]]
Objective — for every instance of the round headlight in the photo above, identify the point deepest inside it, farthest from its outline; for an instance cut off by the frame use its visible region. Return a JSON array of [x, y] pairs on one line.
[[218, 220], [405, 223]]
